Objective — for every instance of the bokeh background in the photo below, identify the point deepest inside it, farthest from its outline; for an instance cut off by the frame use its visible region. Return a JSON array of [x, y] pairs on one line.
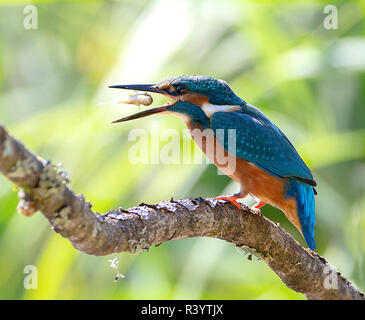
[[276, 55]]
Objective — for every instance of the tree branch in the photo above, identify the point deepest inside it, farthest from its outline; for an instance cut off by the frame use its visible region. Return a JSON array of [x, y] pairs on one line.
[[44, 188]]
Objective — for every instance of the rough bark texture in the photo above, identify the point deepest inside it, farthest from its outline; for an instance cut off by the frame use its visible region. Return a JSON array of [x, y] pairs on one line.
[[44, 188]]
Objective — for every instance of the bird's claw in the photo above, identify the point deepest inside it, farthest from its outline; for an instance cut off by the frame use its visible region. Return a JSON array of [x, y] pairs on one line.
[[231, 199], [256, 211], [257, 206]]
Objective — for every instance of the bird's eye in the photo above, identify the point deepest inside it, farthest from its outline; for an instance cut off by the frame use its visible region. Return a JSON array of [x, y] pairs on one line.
[[180, 89]]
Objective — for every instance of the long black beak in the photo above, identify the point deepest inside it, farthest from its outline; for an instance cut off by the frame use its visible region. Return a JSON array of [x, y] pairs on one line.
[[139, 87], [145, 88], [142, 114]]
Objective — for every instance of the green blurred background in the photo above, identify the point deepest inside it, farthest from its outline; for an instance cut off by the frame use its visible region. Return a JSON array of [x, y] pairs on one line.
[[276, 55]]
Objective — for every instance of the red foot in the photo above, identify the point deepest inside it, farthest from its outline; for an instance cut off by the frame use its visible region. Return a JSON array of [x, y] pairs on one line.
[[259, 205], [232, 199]]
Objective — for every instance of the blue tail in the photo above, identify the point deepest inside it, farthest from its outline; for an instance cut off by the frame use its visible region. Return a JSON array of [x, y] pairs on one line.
[[304, 194]]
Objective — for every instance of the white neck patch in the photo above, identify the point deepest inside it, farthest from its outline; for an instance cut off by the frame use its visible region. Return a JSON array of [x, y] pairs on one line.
[[210, 109]]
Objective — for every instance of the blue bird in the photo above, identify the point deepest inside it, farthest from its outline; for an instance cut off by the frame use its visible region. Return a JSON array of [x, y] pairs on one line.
[[243, 143]]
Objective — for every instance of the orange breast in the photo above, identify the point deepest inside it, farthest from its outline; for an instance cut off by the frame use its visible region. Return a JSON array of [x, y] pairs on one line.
[[267, 188], [251, 178]]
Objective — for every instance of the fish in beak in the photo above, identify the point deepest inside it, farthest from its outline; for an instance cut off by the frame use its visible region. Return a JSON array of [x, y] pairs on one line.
[[145, 88]]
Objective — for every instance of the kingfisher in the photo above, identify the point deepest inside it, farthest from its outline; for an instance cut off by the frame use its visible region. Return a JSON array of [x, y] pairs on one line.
[[243, 143]]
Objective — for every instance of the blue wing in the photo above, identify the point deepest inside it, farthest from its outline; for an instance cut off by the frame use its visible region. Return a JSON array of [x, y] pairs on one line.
[[259, 141]]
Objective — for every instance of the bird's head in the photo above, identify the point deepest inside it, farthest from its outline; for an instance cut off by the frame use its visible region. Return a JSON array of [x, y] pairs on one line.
[[195, 98]]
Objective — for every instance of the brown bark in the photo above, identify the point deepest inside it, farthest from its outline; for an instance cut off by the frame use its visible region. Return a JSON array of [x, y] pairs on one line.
[[44, 188]]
